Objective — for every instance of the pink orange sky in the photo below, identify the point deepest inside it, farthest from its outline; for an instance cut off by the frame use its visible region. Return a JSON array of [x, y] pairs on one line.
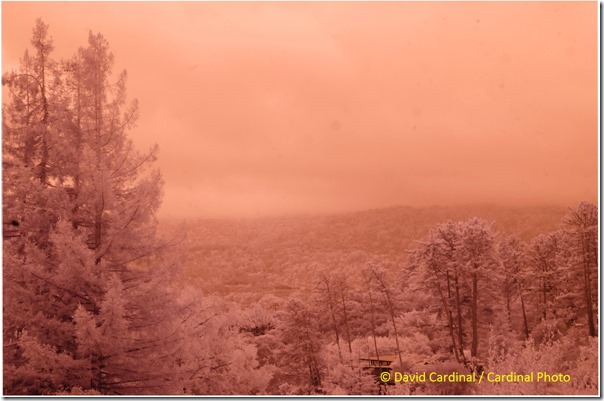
[[278, 108]]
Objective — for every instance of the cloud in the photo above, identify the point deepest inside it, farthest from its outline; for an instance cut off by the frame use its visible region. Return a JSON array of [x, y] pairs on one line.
[[268, 108]]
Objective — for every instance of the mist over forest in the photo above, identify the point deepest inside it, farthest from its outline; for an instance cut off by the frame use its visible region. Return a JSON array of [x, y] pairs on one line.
[[101, 297]]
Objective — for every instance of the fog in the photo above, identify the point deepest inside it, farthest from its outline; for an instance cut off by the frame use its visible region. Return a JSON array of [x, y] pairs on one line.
[[281, 108]]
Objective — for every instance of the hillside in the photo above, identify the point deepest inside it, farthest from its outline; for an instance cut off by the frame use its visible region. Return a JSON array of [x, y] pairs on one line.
[[247, 258]]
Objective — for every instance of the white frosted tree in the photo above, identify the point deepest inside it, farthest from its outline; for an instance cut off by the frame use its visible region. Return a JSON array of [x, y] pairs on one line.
[[216, 357], [300, 360], [543, 252], [460, 263], [81, 202], [582, 222], [478, 256], [513, 253]]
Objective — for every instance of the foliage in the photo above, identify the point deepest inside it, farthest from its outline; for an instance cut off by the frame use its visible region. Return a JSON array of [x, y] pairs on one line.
[[98, 302]]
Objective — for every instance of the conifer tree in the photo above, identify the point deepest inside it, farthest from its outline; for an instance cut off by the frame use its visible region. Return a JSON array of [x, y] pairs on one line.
[[583, 225], [86, 225]]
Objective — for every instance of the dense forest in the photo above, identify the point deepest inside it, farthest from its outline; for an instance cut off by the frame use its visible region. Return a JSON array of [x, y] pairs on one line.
[[102, 298]]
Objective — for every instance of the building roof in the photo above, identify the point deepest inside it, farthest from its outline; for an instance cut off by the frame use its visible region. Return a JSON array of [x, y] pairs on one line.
[[385, 358]]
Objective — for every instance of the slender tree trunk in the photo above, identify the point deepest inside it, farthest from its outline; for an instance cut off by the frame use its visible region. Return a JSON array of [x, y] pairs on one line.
[[526, 328], [44, 158], [474, 314], [28, 145], [508, 296], [315, 375], [398, 347], [346, 321], [97, 379], [372, 314], [78, 146], [386, 293], [98, 227], [377, 354], [100, 200], [544, 290], [449, 318], [546, 286], [587, 285], [459, 318], [333, 316]]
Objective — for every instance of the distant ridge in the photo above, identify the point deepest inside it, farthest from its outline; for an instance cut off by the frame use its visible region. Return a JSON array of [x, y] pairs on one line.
[[276, 254]]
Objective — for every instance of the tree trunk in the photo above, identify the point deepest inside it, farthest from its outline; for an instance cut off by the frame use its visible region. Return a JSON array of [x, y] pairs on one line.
[[315, 374], [544, 290], [100, 200], [459, 318], [78, 146], [398, 348], [377, 354], [346, 321], [508, 296], [333, 316], [474, 314], [587, 285], [449, 318], [98, 229], [526, 328], [385, 291], [44, 158]]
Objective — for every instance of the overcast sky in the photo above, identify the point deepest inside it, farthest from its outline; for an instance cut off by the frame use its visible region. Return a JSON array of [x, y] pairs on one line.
[[274, 108]]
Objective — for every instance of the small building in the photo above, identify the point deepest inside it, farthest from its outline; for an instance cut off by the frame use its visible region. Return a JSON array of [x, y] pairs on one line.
[[377, 365]]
